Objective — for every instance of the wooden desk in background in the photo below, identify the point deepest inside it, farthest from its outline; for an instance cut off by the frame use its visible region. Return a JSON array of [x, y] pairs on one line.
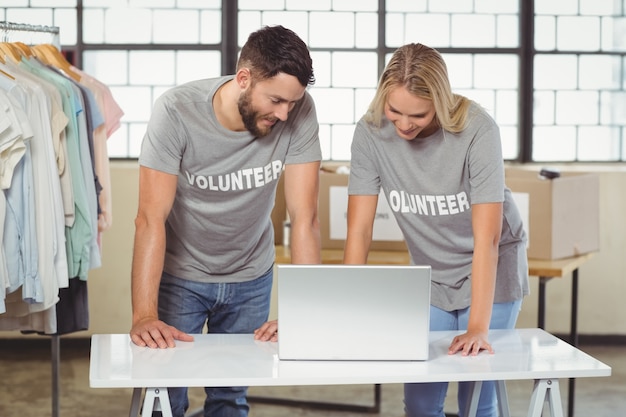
[[545, 270]]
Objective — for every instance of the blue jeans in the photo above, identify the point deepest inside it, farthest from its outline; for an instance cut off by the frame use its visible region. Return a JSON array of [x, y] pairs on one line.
[[427, 399], [239, 307]]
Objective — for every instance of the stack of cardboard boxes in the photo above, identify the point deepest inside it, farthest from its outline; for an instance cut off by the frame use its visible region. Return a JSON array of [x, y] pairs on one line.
[[562, 214]]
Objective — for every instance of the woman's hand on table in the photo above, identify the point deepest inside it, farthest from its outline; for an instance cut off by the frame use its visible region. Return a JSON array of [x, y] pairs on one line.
[[470, 344]]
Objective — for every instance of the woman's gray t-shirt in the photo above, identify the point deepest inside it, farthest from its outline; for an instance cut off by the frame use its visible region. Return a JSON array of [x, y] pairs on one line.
[[431, 184], [219, 228]]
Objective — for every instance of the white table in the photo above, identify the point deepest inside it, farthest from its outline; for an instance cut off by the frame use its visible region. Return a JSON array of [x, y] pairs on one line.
[[239, 360]]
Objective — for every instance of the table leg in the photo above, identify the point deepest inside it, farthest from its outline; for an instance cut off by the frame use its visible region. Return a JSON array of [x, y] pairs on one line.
[[573, 336], [541, 312], [501, 395], [472, 401], [573, 333], [149, 401], [135, 402], [503, 399], [546, 390]]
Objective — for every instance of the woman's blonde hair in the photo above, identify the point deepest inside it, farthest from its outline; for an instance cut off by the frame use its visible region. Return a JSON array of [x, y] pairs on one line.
[[423, 72]]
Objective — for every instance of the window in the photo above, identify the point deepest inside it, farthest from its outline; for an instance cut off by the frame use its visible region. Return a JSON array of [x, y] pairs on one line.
[[141, 48]]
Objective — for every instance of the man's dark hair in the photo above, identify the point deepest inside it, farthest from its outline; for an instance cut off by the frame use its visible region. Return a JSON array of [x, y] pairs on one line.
[[275, 49]]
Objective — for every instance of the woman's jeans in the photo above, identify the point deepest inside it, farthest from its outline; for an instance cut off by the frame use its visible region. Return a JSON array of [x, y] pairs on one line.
[[238, 307], [427, 399]]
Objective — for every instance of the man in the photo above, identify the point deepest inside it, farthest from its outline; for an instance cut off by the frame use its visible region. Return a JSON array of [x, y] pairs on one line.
[[209, 166]]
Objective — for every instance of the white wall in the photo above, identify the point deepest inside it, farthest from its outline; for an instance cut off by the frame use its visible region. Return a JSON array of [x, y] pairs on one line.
[[602, 287]]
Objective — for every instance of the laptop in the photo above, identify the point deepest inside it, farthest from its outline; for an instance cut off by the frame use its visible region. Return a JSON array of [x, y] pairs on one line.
[[353, 312]]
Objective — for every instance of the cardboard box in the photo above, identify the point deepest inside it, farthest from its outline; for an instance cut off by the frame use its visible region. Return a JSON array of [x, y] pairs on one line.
[[564, 212], [333, 211]]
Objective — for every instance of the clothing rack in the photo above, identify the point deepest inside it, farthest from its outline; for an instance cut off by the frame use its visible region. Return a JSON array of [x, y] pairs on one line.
[[32, 35], [29, 34]]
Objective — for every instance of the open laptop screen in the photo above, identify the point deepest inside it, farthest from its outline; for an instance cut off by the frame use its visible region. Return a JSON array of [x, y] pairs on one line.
[[353, 312]]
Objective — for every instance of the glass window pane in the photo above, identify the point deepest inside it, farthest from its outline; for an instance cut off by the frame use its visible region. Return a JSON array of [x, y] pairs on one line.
[[577, 107], [507, 31], [613, 108], [65, 19], [554, 143], [248, 23], [151, 67], [430, 29], [140, 20], [135, 137], [497, 6], [30, 16], [543, 108], [117, 143], [152, 3], [486, 98], [342, 35], [613, 30], [598, 143], [341, 141], [105, 3], [545, 33], [296, 21], [325, 141], [510, 145], [472, 30], [407, 5], [460, 70], [110, 67], [496, 71], [344, 74], [199, 4], [365, 36], [176, 26], [93, 26], [394, 29], [599, 8], [623, 86], [334, 105], [560, 7], [362, 99], [51, 3], [15, 3], [506, 110], [261, 4], [447, 6], [356, 5], [210, 26], [321, 68], [555, 72], [599, 72], [136, 102], [308, 4], [195, 65], [578, 33]]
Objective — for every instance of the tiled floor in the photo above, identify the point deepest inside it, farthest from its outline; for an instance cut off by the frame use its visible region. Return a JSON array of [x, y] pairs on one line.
[[25, 388]]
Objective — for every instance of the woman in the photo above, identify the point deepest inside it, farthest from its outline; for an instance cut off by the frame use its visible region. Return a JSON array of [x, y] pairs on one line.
[[437, 156]]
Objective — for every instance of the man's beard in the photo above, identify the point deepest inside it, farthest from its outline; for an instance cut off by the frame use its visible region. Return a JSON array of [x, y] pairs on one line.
[[250, 116]]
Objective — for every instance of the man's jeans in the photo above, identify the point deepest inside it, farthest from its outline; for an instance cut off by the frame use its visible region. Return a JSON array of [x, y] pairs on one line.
[[223, 308]]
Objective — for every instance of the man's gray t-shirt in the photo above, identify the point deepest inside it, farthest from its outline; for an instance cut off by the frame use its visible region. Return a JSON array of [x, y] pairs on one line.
[[219, 228], [430, 184]]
